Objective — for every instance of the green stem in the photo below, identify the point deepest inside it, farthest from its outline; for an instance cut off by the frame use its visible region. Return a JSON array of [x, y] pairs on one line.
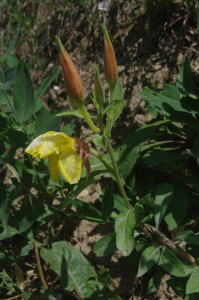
[[87, 118], [110, 115], [116, 173], [103, 160]]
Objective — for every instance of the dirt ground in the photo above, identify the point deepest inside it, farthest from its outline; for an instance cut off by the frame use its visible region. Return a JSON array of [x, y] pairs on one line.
[[155, 47]]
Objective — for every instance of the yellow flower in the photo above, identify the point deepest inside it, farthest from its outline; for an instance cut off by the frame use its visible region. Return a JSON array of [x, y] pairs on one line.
[[61, 153]]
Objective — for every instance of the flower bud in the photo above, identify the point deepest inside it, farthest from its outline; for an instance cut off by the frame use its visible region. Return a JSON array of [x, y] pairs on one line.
[[74, 85], [110, 63], [99, 93]]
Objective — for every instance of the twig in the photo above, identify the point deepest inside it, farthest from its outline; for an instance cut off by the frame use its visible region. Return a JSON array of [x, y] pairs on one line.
[[161, 239], [41, 275], [15, 297]]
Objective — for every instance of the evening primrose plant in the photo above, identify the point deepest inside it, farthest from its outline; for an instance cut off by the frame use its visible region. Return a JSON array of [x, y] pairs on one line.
[[149, 220]]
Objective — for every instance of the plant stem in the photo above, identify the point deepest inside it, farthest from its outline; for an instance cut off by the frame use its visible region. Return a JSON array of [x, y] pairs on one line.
[[88, 119], [116, 173], [103, 160], [110, 115]]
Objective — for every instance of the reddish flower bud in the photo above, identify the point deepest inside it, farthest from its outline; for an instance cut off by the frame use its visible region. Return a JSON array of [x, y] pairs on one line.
[[74, 85], [110, 63]]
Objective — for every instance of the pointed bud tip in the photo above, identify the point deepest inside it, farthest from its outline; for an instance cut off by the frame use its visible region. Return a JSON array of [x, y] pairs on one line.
[[61, 47]]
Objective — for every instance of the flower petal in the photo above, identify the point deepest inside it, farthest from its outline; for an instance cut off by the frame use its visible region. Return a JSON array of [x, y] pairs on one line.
[[53, 167], [56, 143], [70, 165], [39, 143]]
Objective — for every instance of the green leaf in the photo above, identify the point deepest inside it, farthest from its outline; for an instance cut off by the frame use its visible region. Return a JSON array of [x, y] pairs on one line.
[[28, 217], [154, 282], [178, 206], [45, 122], [163, 196], [3, 205], [132, 146], [71, 267], [46, 83], [75, 113], [8, 232], [171, 264], [185, 77], [9, 78], [116, 104], [179, 286], [146, 200], [171, 108], [106, 245], [149, 257], [69, 129], [7, 259], [90, 212], [124, 228], [193, 283], [118, 96], [25, 250], [23, 95], [189, 266], [13, 42], [11, 61], [107, 202], [82, 184], [99, 140], [189, 237]]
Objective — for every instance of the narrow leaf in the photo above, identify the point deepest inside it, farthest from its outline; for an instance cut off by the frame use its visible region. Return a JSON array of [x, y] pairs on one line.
[[116, 104], [46, 83], [23, 95], [124, 227], [178, 206], [162, 199], [13, 42], [3, 205], [28, 217]]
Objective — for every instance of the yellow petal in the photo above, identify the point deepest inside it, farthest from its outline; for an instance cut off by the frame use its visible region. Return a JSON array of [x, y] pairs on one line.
[[37, 144], [56, 143], [53, 167], [70, 165]]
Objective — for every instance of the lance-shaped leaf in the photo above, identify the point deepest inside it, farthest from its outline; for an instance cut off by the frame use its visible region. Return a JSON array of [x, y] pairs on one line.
[[71, 267], [171, 264], [149, 257], [178, 206], [23, 96], [13, 42], [124, 228], [162, 199], [9, 78]]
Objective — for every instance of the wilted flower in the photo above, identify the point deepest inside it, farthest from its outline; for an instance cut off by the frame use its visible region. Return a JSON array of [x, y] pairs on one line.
[[61, 151]]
